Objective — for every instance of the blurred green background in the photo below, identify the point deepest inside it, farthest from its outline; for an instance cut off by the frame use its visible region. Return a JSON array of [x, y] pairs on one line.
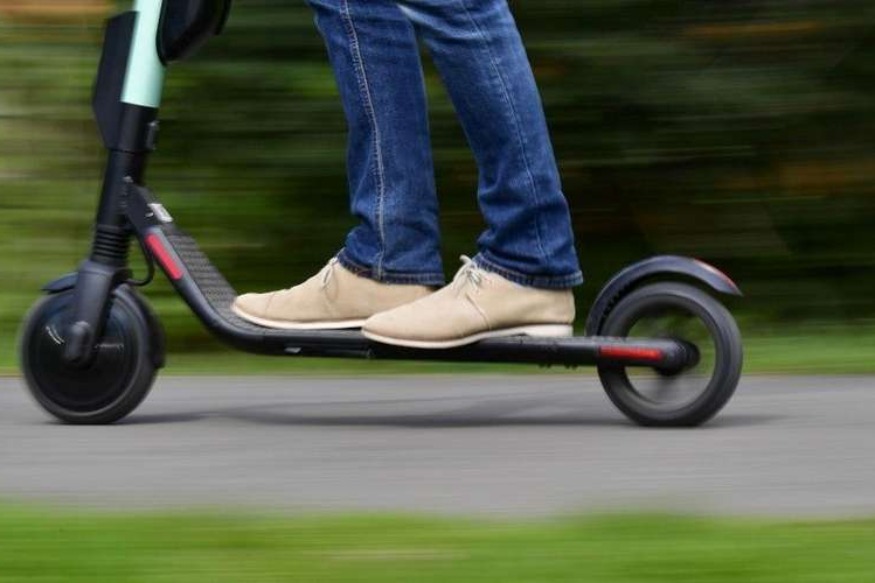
[[55, 546], [739, 132]]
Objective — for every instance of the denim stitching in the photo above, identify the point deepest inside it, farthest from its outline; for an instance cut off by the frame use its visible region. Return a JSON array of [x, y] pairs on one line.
[[365, 94], [516, 123]]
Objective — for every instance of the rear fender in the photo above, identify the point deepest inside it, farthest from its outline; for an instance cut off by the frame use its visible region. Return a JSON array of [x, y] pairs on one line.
[[662, 267]]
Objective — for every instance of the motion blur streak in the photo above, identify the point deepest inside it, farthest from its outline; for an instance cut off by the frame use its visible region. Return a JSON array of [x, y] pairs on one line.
[[739, 132]]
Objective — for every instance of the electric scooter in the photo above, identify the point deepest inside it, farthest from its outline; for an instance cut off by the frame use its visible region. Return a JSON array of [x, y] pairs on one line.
[[667, 351]]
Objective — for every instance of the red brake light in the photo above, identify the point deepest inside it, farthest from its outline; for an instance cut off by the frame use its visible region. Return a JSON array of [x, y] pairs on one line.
[[631, 353], [160, 252]]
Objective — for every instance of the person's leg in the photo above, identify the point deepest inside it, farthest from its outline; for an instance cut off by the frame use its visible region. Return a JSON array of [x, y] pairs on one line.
[[477, 49], [374, 53], [392, 257], [519, 282]]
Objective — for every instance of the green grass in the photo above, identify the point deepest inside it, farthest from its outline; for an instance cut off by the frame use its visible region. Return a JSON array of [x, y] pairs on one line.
[[829, 353], [217, 547]]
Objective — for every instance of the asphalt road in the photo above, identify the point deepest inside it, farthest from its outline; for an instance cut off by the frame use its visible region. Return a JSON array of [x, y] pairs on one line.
[[493, 445]]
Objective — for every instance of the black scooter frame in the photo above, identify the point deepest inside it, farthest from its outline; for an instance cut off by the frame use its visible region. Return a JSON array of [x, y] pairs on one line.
[[128, 209], [209, 296]]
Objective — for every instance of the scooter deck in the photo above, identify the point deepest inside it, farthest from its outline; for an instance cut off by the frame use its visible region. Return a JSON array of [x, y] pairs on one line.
[[210, 296]]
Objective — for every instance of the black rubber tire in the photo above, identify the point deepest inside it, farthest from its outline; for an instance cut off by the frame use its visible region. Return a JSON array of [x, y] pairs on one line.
[[728, 355], [107, 390]]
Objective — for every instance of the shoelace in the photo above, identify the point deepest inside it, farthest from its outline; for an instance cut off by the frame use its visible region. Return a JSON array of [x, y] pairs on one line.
[[470, 273], [328, 272]]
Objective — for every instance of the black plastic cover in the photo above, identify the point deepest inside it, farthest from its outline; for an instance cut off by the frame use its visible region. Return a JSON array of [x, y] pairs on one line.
[[187, 24], [665, 267]]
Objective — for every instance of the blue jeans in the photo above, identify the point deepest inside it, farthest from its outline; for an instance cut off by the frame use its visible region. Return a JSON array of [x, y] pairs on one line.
[[477, 49]]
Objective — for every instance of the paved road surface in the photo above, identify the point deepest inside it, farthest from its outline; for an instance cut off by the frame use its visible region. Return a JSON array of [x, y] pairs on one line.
[[470, 444]]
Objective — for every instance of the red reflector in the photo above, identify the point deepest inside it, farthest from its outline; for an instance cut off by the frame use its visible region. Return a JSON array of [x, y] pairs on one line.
[[156, 246], [631, 353]]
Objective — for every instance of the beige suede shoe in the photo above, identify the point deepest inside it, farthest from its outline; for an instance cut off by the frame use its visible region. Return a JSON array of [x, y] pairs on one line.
[[477, 305], [333, 299]]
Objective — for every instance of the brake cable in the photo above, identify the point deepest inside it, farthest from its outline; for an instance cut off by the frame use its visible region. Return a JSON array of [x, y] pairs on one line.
[[150, 266]]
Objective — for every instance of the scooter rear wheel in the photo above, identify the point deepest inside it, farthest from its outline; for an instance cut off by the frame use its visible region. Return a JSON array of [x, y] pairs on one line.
[[115, 382], [688, 397]]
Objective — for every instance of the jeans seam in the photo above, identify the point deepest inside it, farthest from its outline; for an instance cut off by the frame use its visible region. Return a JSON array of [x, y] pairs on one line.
[[365, 94], [514, 115]]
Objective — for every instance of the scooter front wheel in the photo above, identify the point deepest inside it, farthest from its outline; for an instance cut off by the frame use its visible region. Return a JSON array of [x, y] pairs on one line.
[[686, 397], [118, 377]]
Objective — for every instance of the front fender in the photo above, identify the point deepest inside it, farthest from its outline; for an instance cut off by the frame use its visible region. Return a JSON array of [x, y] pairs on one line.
[[67, 283], [666, 266], [62, 284]]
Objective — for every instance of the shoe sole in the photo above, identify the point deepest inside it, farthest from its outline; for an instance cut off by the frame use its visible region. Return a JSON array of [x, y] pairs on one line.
[[286, 325], [537, 331]]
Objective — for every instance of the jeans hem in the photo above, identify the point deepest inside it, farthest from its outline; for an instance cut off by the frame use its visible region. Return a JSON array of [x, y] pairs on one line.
[[537, 281], [427, 279]]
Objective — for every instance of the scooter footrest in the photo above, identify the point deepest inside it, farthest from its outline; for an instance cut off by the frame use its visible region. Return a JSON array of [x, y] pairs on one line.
[[212, 284]]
